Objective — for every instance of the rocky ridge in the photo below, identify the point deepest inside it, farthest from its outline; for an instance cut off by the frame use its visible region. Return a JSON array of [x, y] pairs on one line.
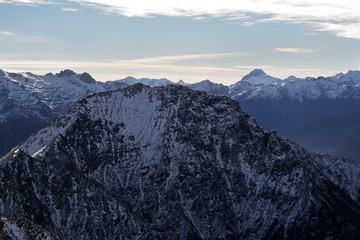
[[173, 163]]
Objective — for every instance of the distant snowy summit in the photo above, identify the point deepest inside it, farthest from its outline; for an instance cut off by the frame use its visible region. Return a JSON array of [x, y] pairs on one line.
[[259, 85], [259, 77]]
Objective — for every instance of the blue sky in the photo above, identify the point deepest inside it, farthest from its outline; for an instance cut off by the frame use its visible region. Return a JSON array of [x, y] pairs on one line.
[[190, 40]]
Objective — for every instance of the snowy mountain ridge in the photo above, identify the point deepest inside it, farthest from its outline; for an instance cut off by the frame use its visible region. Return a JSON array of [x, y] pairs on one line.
[[29, 101], [57, 91], [64, 88], [172, 163], [340, 86]]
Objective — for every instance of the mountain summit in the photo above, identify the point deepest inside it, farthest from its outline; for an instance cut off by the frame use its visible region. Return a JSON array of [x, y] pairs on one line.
[[254, 73], [173, 163], [258, 76]]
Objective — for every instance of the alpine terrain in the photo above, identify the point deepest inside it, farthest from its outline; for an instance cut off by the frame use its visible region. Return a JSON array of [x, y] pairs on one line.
[[173, 163], [28, 101], [318, 113]]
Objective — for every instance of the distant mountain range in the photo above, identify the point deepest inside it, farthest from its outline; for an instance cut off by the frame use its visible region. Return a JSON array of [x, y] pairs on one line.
[[29, 101], [319, 113], [172, 163], [294, 107]]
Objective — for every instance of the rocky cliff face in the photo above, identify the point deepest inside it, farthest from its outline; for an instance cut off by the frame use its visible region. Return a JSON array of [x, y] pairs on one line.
[[20, 228], [173, 163]]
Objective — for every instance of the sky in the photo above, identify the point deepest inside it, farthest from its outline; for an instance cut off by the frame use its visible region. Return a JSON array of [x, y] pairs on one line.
[[190, 40]]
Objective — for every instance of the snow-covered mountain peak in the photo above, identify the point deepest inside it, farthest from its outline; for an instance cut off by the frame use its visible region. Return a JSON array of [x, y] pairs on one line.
[[113, 108], [337, 76], [258, 76], [57, 91], [291, 78], [181, 82], [254, 73], [353, 75]]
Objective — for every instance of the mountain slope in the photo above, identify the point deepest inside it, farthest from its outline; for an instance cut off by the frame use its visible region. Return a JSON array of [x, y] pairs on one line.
[[172, 163], [29, 101], [22, 228]]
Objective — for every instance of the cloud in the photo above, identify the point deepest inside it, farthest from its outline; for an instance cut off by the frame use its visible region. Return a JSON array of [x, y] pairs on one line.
[[346, 30], [294, 50], [341, 18], [23, 38], [169, 59], [29, 2], [7, 34], [70, 10], [324, 15]]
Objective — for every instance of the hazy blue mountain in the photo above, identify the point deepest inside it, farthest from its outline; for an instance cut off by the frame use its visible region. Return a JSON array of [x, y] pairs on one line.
[[334, 134]]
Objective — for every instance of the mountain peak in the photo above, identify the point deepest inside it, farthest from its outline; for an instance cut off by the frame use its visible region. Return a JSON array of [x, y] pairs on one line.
[[85, 77], [65, 73], [254, 73], [181, 82], [259, 77], [354, 74]]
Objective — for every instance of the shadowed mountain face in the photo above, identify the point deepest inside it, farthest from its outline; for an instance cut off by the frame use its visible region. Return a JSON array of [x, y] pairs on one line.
[[339, 134], [173, 163]]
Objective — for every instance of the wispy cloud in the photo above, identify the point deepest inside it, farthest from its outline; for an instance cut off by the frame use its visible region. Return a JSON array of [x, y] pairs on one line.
[[7, 34], [324, 15], [176, 58], [29, 2], [341, 18], [22, 38], [294, 50], [70, 10]]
